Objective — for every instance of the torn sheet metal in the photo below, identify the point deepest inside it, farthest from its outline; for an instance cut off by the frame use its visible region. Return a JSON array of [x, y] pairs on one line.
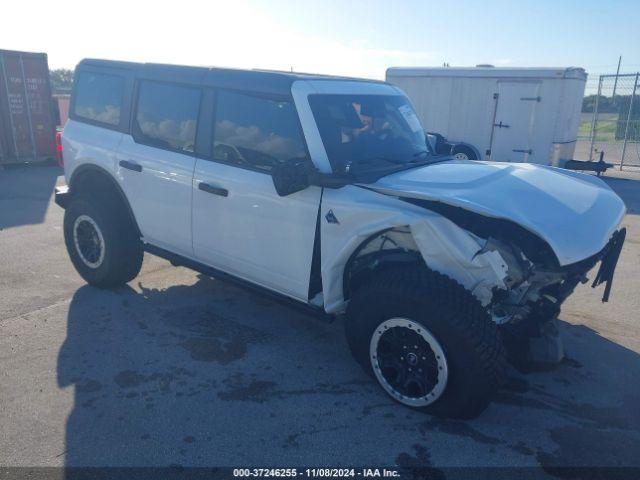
[[444, 246]]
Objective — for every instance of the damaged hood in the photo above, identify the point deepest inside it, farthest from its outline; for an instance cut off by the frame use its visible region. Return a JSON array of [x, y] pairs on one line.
[[574, 213]]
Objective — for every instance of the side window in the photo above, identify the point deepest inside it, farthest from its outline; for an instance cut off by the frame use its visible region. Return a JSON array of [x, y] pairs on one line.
[[166, 115], [256, 132], [98, 97]]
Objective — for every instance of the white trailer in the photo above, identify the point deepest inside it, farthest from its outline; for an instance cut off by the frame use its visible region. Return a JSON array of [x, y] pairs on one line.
[[505, 114]]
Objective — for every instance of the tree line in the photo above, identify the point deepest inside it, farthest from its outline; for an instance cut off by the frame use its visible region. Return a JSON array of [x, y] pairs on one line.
[[61, 80], [609, 104]]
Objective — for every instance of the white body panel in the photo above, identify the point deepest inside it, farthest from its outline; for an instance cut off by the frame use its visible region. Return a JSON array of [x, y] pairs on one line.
[[464, 103], [159, 195], [253, 233], [86, 144]]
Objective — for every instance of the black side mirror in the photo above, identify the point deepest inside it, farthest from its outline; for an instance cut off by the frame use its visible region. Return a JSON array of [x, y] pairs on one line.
[[290, 177]]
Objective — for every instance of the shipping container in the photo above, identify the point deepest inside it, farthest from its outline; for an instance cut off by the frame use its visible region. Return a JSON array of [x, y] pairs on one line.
[[27, 124], [506, 114]]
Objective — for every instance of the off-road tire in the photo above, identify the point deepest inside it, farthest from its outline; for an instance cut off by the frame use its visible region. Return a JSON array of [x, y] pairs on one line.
[[122, 246], [470, 340]]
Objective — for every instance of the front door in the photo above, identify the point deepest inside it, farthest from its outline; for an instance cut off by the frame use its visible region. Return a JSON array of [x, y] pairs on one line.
[[514, 120], [240, 224]]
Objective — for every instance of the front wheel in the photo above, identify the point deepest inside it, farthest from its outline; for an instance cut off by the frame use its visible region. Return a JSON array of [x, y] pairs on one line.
[[427, 341], [102, 243], [408, 362]]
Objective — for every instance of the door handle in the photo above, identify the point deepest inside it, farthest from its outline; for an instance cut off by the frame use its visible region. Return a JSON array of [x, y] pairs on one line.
[[205, 187], [129, 165], [529, 151]]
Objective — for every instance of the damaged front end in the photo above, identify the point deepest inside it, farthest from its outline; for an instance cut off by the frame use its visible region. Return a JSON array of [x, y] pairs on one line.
[[513, 273], [511, 235], [535, 283], [527, 300]]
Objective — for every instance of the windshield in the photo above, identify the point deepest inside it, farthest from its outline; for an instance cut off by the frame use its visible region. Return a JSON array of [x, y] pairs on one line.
[[364, 133]]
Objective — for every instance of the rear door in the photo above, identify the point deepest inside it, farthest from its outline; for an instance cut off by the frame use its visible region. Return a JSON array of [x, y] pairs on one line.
[[240, 224], [514, 121], [155, 163]]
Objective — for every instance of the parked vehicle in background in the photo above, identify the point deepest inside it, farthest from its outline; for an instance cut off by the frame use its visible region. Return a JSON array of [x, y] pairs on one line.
[[459, 151], [323, 191], [27, 124], [501, 114]]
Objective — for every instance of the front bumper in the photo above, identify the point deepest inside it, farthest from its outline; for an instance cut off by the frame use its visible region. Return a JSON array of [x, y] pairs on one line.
[[62, 196], [608, 258]]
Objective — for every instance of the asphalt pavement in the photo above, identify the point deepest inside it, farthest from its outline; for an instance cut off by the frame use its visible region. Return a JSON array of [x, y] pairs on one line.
[[181, 369]]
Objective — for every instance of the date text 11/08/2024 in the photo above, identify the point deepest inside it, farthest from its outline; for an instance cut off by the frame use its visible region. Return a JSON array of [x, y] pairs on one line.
[[316, 472]]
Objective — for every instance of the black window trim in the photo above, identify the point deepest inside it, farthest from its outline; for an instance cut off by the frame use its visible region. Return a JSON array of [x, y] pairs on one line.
[[141, 139], [123, 124], [262, 95]]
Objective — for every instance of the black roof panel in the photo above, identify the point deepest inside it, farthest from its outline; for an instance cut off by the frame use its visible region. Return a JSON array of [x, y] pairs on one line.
[[263, 81]]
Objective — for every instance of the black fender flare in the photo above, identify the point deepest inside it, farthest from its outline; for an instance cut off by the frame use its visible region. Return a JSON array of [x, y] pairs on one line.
[[92, 169], [384, 257]]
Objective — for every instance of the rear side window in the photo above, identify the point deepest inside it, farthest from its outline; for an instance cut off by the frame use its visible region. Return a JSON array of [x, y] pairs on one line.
[[256, 132], [166, 115], [98, 97]]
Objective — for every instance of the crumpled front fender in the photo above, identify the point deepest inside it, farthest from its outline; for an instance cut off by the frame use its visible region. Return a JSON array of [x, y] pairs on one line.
[[443, 245], [454, 252]]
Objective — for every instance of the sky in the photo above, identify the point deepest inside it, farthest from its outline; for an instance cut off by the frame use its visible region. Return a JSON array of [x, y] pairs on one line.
[[349, 37]]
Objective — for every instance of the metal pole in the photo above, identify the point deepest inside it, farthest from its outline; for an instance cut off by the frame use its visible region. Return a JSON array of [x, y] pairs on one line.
[[593, 121], [626, 128], [615, 84]]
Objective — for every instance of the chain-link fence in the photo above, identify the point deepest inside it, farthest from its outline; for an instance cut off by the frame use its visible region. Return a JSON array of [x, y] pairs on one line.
[[611, 121]]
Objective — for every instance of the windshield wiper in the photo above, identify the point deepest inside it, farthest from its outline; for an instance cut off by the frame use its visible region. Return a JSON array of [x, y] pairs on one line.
[[430, 160], [369, 160], [385, 159]]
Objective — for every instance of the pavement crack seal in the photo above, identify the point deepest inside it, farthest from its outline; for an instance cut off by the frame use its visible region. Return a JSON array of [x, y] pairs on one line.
[[25, 315], [261, 391]]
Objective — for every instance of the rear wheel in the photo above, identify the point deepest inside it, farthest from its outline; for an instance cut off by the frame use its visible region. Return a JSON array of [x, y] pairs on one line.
[[102, 243], [427, 341]]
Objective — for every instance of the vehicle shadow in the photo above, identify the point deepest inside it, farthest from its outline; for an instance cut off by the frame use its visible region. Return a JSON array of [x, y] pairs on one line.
[[25, 194], [210, 375], [629, 190]]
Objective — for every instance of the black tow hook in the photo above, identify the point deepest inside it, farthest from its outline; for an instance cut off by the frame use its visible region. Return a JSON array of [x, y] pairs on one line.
[[609, 262]]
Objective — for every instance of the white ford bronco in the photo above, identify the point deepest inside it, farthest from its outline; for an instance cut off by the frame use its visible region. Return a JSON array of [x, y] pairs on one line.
[[325, 192]]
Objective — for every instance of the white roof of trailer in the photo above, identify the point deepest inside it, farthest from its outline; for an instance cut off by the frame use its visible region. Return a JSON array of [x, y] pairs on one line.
[[489, 72]]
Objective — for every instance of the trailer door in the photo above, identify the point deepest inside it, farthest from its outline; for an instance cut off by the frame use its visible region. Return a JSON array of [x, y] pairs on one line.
[[511, 139]]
